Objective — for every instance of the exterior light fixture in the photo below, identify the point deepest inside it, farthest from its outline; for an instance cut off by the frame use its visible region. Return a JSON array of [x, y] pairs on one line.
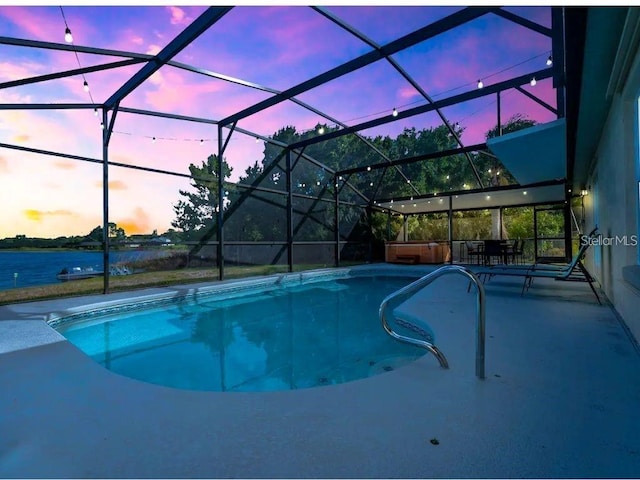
[[549, 61], [488, 197], [524, 193], [67, 35], [480, 84], [85, 86], [371, 184], [368, 169], [584, 192], [533, 82]]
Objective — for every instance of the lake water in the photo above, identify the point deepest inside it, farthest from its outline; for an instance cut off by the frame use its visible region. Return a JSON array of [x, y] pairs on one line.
[[41, 267]]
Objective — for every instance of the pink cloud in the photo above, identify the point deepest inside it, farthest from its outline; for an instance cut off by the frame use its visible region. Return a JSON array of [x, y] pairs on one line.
[[407, 92], [178, 16]]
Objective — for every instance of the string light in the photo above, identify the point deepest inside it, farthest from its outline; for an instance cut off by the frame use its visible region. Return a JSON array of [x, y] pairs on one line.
[[395, 112], [320, 129], [67, 35], [153, 140], [480, 84], [86, 86], [549, 61], [533, 82], [95, 112]]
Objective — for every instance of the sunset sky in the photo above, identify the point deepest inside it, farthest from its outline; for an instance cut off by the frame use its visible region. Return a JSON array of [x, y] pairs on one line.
[[275, 47]]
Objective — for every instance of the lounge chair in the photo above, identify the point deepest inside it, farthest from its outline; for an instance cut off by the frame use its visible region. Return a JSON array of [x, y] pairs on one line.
[[574, 271]]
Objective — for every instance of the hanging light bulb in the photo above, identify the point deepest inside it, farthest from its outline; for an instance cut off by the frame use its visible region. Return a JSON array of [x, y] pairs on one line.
[[201, 141], [67, 35], [153, 140], [368, 168], [321, 130], [533, 82], [95, 112], [102, 125], [257, 140], [480, 84], [395, 112], [549, 61], [85, 85]]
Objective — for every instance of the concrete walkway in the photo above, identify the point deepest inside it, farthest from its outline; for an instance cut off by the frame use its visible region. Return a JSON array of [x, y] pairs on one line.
[[561, 399]]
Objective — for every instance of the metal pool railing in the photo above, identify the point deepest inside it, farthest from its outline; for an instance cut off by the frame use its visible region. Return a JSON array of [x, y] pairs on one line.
[[412, 288]]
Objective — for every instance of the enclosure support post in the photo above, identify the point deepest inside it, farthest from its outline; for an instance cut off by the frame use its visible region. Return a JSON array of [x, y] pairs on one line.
[[405, 227], [535, 235], [558, 46], [450, 229], [568, 244], [105, 202], [369, 214], [336, 221], [220, 174], [289, 213], [499, 132]]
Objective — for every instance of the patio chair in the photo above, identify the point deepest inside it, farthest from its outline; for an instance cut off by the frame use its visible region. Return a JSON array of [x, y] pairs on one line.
[[473, 250], [515, 251], [494, 249], [574, 271]]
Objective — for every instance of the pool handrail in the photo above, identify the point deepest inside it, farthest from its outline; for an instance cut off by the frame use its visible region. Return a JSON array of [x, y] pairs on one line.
[[419, 284]]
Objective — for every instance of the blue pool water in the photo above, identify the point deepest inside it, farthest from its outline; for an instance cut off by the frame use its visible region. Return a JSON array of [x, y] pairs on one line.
[[279, 338]]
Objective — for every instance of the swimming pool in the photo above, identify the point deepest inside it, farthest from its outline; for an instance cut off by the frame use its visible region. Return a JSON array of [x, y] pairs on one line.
[[289, 333]]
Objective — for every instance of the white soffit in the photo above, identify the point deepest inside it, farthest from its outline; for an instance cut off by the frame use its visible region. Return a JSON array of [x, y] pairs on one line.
[[535, 154], [468, 201]]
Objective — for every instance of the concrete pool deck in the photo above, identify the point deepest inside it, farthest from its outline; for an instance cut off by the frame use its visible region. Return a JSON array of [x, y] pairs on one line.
[[561, 400]]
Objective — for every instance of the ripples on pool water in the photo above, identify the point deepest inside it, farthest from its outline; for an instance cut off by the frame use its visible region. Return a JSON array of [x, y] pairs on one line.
[[304, 336]]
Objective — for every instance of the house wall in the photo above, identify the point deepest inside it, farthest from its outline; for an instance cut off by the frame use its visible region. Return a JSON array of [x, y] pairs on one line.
[[613, 203]]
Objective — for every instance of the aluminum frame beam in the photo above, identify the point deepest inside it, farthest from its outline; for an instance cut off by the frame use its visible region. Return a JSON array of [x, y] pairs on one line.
[[175, 46], [420, 35], [445, 102]]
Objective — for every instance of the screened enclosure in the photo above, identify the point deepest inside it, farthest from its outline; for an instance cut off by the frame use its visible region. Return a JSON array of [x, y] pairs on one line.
[[216, 142]]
